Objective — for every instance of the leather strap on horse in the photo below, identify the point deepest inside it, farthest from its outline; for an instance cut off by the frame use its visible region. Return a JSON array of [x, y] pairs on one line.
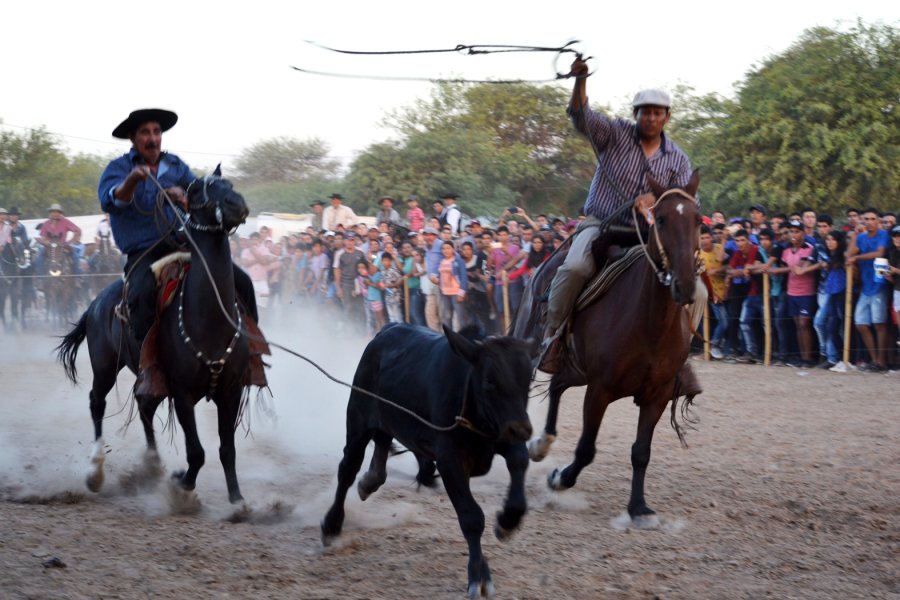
[[604, 280]]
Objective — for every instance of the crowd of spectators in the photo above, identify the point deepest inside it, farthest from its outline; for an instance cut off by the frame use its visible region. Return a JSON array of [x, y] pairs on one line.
[[430, 270], [440, 269], [805, 259]]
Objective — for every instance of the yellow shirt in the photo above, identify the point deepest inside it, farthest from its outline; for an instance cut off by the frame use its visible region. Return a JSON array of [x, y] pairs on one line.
[[713, 260]]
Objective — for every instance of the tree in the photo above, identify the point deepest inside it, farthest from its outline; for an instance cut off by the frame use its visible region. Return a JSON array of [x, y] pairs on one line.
[[35, 172], [286, 159], [495, 145], [817, 125]]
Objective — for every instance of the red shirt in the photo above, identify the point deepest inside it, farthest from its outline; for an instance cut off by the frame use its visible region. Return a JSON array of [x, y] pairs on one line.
[[739, 261], [58, 229], [416, 218]]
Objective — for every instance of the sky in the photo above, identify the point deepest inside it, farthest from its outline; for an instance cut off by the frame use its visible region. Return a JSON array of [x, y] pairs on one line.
[[78, 69]]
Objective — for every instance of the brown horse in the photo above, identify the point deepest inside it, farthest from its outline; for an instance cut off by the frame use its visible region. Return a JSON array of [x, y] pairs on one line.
[[631, 342], [59, 283]]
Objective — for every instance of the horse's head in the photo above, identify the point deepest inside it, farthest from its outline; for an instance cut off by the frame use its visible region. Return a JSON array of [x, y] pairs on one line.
[[213, 205], [675, 236]]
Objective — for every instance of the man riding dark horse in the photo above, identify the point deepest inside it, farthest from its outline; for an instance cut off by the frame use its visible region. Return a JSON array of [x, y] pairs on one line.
[[146, 229], [627, 154]]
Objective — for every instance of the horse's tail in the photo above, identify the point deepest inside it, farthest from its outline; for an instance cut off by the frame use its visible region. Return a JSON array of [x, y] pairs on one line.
[[67, 350]]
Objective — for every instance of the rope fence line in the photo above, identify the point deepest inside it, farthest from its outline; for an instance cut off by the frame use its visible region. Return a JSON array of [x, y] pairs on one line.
[[768, 322]]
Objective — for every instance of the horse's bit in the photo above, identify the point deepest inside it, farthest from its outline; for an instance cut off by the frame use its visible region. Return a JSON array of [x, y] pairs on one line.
[[188, 222], [665, 274]]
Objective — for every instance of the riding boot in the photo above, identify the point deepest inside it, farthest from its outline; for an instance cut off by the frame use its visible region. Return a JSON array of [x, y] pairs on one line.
[[151, 381], [686, 383], [256, 373]]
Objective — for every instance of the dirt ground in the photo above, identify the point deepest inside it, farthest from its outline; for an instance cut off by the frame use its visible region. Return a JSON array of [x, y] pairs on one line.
[[789, 489]]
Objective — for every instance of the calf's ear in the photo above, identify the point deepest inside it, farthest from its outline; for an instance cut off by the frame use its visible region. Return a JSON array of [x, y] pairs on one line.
[[461, 346]]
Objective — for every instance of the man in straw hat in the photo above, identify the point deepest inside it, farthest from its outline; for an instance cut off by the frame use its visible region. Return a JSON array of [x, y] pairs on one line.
[[143, 227], [57, 229]]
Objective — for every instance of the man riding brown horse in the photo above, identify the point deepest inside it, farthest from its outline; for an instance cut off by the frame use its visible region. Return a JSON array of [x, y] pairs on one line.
[[627, 155], [145, 229]]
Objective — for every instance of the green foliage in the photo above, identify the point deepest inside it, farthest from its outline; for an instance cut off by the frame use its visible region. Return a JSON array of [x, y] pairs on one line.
[[282, 196], [495, 145], [817, 125], [285, 160], [36, 172]]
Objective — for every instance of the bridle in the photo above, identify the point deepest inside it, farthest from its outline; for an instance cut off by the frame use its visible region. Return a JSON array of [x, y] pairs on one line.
[[207, 201], [664, 274]]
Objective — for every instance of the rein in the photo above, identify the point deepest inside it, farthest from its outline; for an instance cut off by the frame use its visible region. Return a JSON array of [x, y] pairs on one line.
[[459, 421]]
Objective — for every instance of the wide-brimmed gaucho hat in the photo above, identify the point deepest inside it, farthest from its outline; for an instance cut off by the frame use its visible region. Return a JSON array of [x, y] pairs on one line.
[[165, 118]]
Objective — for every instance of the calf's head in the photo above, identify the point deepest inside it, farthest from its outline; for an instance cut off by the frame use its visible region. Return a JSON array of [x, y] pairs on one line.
[[501, 376]]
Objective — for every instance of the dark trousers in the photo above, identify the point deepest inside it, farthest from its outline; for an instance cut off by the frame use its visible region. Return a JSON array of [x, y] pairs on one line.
[[142, 290]]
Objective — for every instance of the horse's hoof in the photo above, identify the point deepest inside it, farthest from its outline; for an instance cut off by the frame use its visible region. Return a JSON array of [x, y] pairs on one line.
[[367, 486], [329, 534], [539, 448], [554, 480], [235, 498], [481, 588], [94, 480], [647, 521], [183, 501]]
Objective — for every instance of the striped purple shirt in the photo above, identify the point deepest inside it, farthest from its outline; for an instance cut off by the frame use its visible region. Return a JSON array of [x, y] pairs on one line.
[[620, 175]]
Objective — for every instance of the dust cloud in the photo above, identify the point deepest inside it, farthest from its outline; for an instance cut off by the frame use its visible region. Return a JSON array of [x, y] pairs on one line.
[[288, 448]]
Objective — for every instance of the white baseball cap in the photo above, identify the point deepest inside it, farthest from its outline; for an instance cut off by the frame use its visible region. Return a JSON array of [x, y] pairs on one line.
[[651, 97]]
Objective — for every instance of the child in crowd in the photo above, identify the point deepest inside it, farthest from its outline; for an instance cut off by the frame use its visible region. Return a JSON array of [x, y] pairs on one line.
[[392, 285], [367, 286]]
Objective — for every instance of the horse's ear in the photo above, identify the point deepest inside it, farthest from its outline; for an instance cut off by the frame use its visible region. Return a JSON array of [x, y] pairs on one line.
[[461, 346], [655, 187], [693, 184], [218, 171]]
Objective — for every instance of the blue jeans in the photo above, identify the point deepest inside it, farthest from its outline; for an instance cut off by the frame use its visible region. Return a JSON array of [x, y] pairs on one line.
[[834, 327], [721, 313], [784, 327], [819, 322], [515, 295], [417, 307], [751, 311]]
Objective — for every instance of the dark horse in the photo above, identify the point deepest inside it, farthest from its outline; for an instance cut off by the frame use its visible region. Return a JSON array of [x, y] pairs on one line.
[[201, 353], [474, 394], [58, 282], [631, 342], [106, 262], [16, 282]]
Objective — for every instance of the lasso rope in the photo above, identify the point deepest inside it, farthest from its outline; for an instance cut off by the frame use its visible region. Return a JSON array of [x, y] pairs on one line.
[[467, 49]]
